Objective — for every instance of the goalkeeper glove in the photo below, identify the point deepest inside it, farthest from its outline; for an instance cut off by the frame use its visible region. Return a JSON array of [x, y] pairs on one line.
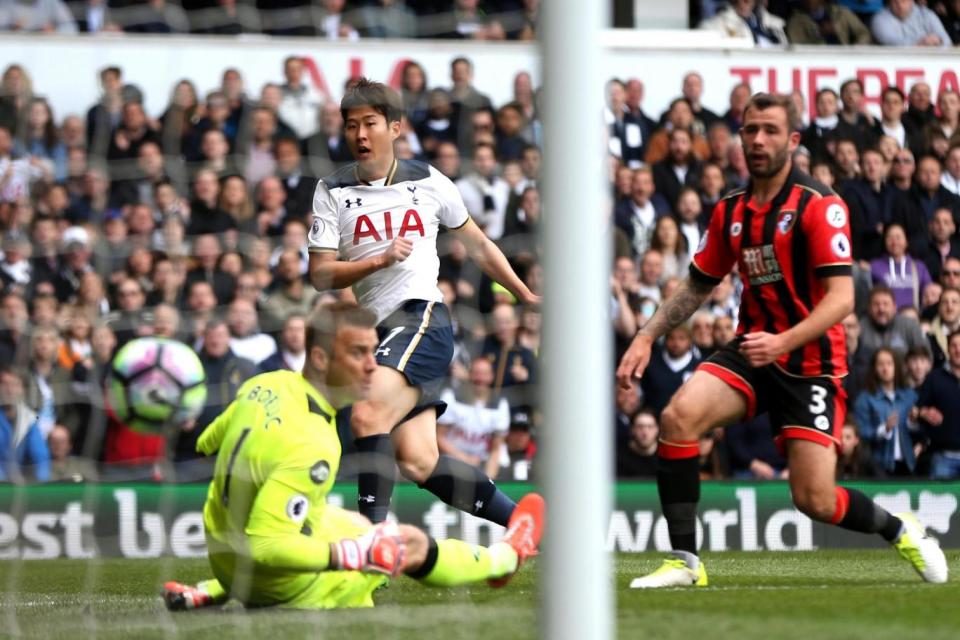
[[379, 550]]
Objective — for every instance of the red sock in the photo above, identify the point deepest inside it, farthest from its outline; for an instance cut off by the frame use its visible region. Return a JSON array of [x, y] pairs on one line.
[[843, 503]]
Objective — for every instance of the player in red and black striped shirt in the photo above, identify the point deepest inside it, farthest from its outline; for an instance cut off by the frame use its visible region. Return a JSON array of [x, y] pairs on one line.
[[790, 238]]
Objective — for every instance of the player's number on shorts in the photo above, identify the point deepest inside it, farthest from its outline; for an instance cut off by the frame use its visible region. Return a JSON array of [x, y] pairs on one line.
[[817, 405], [225, 497], [383, 349]]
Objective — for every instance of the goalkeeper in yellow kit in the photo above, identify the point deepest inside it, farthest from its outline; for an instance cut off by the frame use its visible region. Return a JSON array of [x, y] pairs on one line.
[[271, 537]]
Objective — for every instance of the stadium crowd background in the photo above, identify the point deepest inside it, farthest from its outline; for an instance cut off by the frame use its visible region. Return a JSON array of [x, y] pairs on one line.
[[191, 224]]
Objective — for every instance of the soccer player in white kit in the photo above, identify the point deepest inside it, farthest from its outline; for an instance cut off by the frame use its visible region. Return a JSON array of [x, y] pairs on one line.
[[375, 225]]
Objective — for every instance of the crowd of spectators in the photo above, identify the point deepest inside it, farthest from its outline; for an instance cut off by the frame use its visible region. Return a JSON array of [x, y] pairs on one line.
[[776, 23], [900, 176], [191, 224], [330, 19]]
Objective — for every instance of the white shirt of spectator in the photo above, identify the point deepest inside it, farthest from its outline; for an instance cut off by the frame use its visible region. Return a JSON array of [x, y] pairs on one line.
[[950, 183], [22, 173], [681, 172], [899, 133], [361, 221], [472, 425], [256, 347], [643, 220], [472, 189], [691, 231], [300, 109]]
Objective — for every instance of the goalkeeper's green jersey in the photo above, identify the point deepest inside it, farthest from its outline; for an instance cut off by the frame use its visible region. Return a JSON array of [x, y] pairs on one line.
[[277, 457]]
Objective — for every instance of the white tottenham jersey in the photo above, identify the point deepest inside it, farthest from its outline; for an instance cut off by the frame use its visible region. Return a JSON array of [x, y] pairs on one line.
[[359, 221]]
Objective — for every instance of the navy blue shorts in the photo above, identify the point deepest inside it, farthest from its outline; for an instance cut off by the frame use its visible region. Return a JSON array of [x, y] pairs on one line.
[[417, 341]]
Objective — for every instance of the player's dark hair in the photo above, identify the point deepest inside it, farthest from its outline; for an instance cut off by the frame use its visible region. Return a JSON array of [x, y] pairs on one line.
[[872, 383], [323, 323], [376, 95], [764, 101]]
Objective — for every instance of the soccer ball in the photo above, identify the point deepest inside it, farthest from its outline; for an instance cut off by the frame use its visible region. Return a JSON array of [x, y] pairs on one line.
[[155, 383]]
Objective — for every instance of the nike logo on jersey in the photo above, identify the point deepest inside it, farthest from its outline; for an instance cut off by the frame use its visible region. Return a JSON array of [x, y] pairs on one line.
[[367, 228], [367, 499]]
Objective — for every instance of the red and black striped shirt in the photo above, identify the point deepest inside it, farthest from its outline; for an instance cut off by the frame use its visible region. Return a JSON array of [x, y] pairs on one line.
[[783, 250]]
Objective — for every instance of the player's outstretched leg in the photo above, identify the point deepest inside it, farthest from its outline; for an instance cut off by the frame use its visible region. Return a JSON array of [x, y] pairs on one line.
[[921, 550], [815, 493], [457, 483], [468, 489], [185, 597], [449, 563]]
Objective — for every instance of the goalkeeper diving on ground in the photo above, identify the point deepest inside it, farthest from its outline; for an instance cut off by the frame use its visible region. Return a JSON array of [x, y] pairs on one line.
[[271, 538]]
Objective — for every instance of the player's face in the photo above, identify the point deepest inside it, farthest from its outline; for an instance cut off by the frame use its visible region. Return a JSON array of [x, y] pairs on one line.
[[351, 368], [370, 137], [767, 141]]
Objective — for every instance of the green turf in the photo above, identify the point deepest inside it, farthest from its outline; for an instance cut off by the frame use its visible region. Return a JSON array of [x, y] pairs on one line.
[[823, 595]]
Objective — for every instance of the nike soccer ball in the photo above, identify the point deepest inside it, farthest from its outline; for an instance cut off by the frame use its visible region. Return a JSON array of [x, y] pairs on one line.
[[156, 383]]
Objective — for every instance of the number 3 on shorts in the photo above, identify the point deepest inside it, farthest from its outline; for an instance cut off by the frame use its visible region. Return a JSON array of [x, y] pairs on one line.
[[817, 405]]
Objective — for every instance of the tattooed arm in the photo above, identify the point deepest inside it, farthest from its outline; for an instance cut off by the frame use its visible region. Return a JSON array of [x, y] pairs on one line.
[[672, 313]]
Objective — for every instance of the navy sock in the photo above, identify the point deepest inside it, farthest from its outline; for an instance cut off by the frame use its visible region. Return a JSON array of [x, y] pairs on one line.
[[678, 482], [467, 488], [376, 477]]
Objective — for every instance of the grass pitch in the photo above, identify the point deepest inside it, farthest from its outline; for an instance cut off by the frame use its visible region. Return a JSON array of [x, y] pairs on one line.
[[822, 595]]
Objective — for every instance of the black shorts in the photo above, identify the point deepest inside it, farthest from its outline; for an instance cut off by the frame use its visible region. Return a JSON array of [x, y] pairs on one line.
[[417, 341], [808, 408]]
